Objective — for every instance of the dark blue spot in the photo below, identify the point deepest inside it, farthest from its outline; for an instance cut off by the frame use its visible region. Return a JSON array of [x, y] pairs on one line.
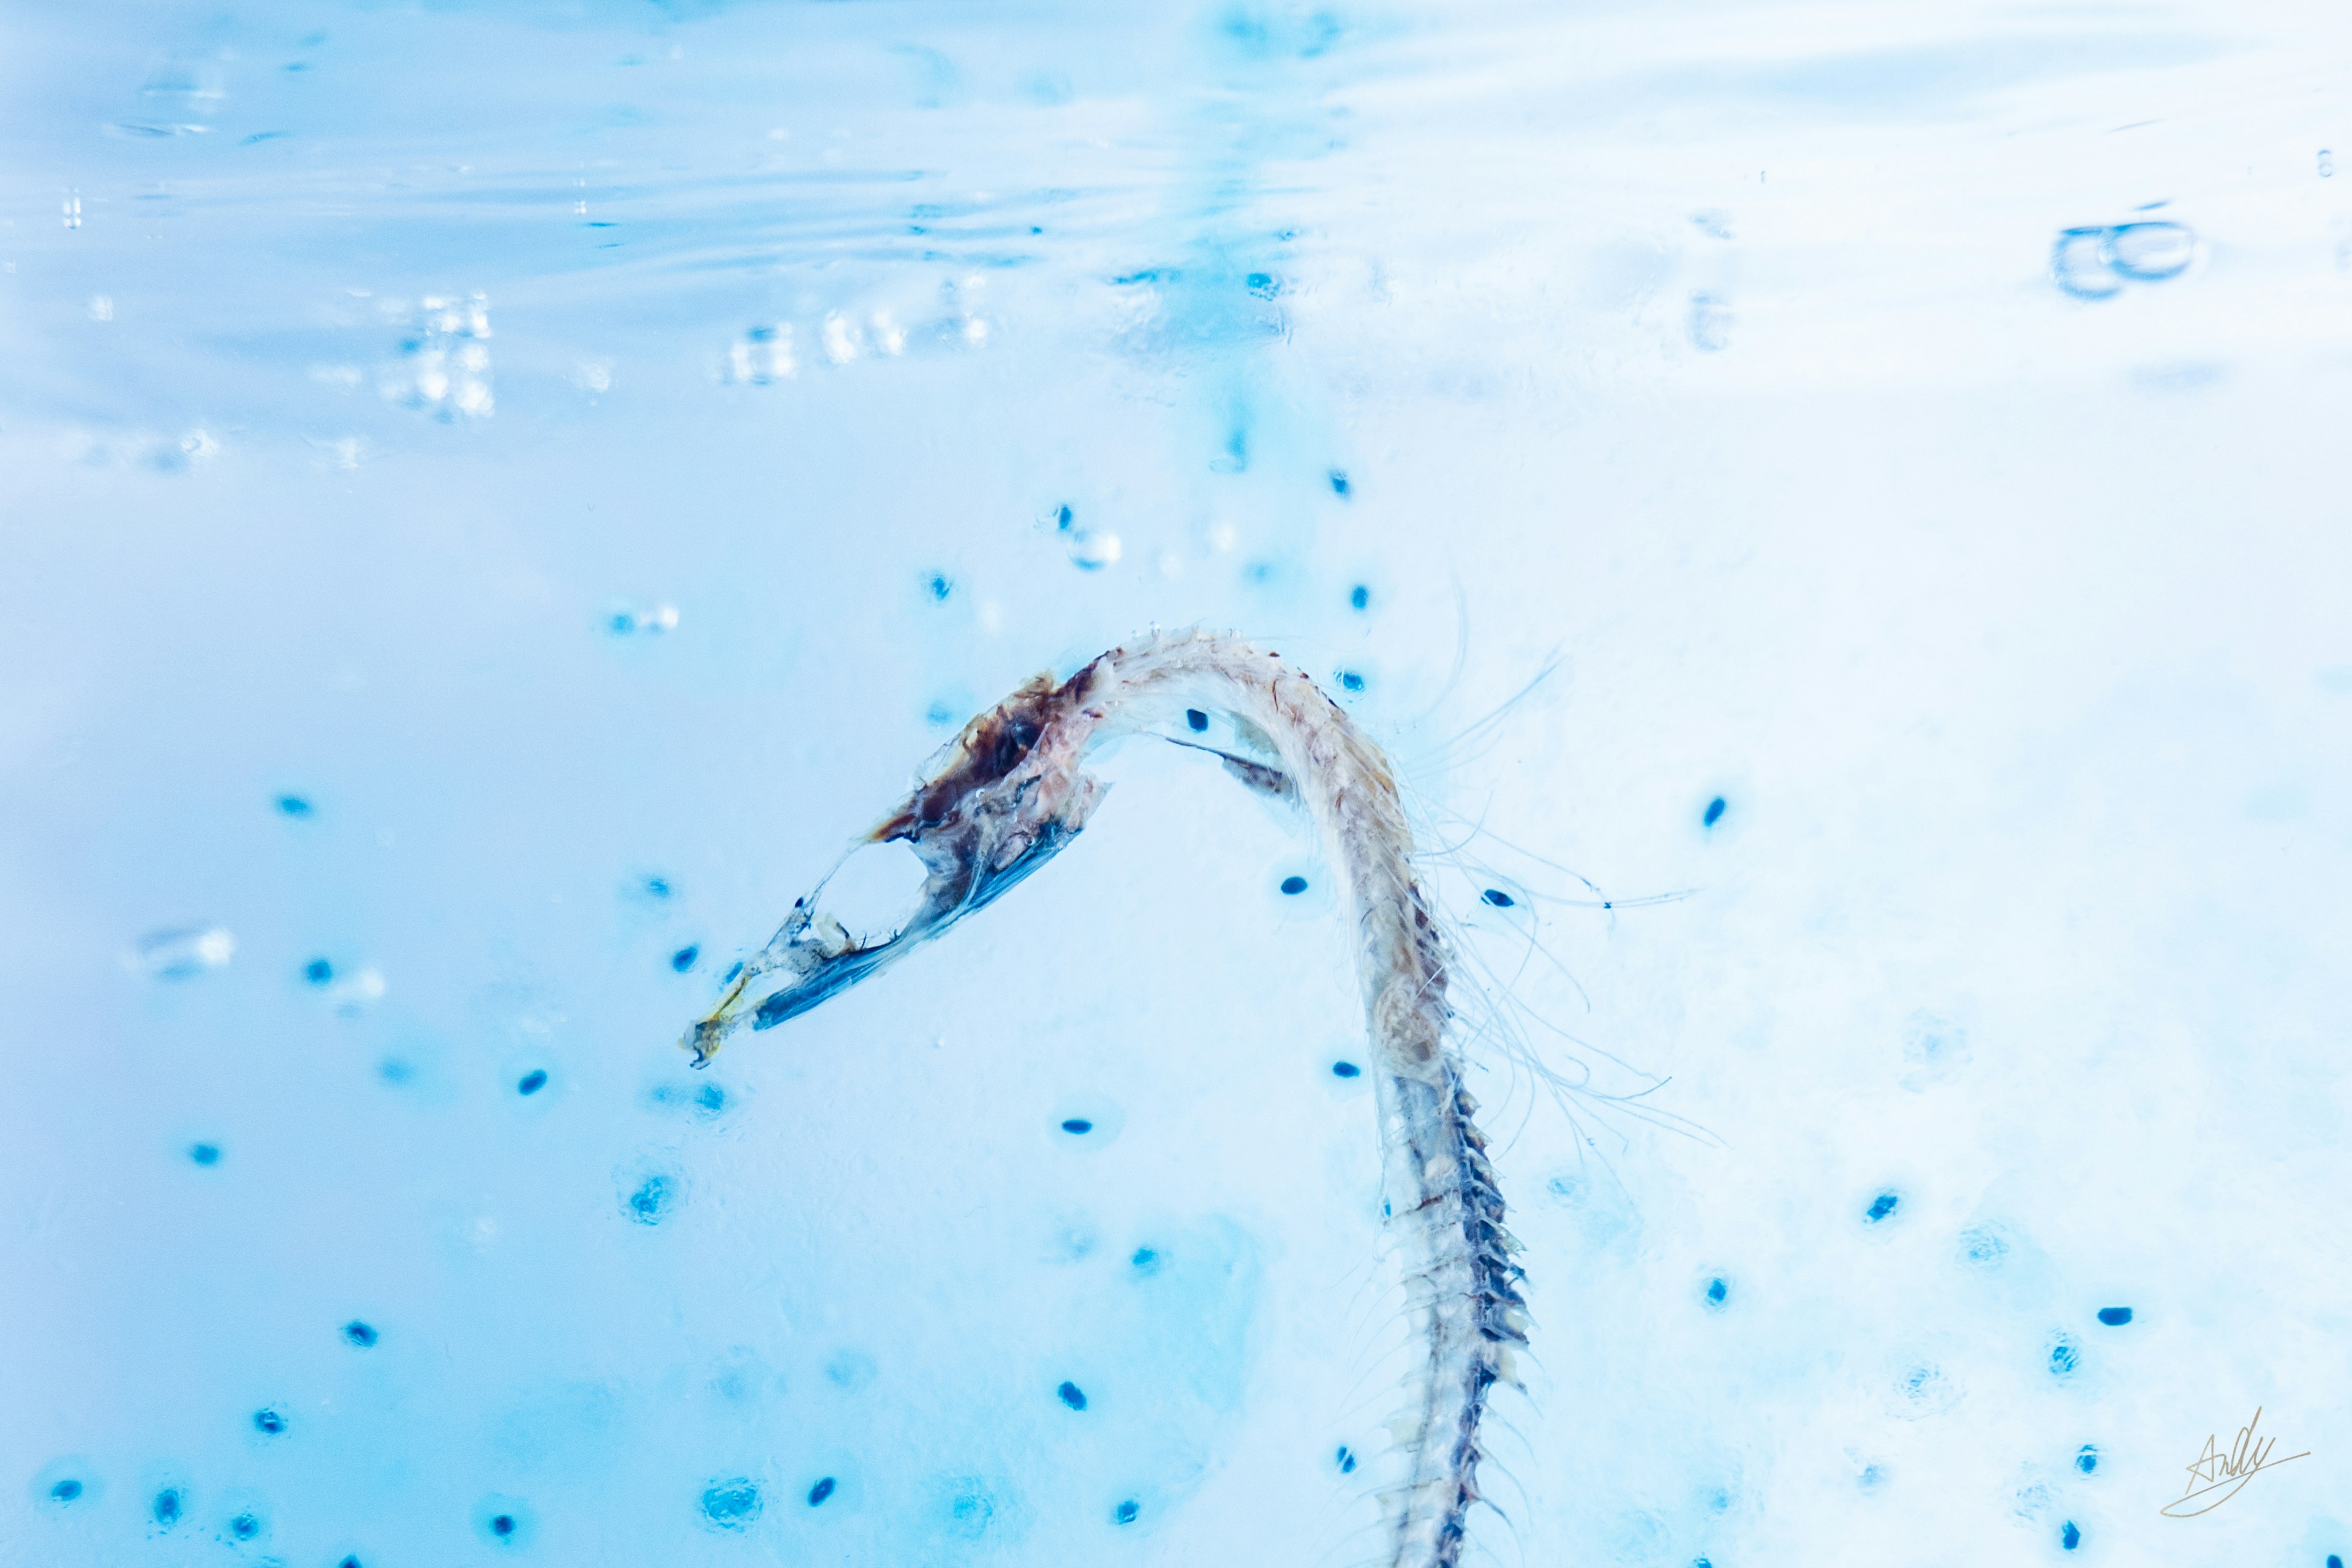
[[244, 1527], [317, 972], [532, 1081], [205, 1153], [1881, 1206], [711, 1099], [2063, 1357], [821, 1491], [1077, 1124], [1196, 719], [1340, 488], [1125, 1512], [940, 586], [269, 1422], [1061, 518], [1294, 886], [1072, 1396], [350, 1561], [502, 1525], [1701, 1563], [653, 1200], [294, 806], [657, 886], [1716, 1290], [1145, 1259], [731, 1505], [1714, 812], [2333, 1561], [1263, 285], [2114, 1317], [1350, 681], [65, 1490], [1345, 1460], [362, 1334], [1499, 899], [1872, 1477], [1359, 597], [2086, 1458], [2069, 1537], [622, 624], [166, 1508], [1345, 1069], [683, 959]]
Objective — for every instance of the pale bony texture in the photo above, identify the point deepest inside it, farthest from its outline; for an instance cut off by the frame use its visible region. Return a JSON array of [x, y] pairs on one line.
[[1011, 789]]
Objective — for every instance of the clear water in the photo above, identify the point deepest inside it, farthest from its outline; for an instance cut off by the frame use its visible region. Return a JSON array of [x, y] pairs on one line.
[[491, 498]]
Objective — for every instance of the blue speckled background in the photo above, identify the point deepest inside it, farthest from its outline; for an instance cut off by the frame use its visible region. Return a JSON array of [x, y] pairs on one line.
[[584, 457]]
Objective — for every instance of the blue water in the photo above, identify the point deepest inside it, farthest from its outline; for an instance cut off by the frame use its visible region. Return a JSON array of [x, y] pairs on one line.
[[1837, 512]]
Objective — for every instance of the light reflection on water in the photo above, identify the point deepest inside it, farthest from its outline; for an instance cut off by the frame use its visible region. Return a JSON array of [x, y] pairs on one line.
[[495, 495]]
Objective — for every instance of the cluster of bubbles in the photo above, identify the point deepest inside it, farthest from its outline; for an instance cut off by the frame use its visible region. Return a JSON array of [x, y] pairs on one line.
[[2096, 262]]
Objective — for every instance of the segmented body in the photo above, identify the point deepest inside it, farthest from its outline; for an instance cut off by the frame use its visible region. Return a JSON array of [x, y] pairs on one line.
[[1012, 790]]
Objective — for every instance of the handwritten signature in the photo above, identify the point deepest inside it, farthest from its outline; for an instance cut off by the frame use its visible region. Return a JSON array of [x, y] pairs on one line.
[[2216, 1472]]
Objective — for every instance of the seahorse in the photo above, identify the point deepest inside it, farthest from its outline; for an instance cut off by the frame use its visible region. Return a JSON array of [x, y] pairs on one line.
[[1011, 791]]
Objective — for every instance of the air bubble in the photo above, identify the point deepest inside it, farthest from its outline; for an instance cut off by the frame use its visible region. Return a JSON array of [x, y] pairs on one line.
[[184, 951], [1092, 549]]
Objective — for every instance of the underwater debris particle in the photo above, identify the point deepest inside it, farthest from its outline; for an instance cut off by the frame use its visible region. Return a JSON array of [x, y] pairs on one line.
[[652, 1200], [361, 1334], [1345, 1069], [1125, 1512], [167, 1507], [1346, 1460], [683, 959], [269, 1422], [2086, 1458], [317, 972], [2063, 1357], [205, 1153], [532, 1081], [821, 1491], [1881, 1205], [731, 1504], [1294, 886], [1499, 899], [1716, 1289], [1196, 719], [1071, 1395], [2114, 1317], [1983, 1248], [2070, 1537], [295, 806], [1714, 813], [1340, 488], [1077, 1124]]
